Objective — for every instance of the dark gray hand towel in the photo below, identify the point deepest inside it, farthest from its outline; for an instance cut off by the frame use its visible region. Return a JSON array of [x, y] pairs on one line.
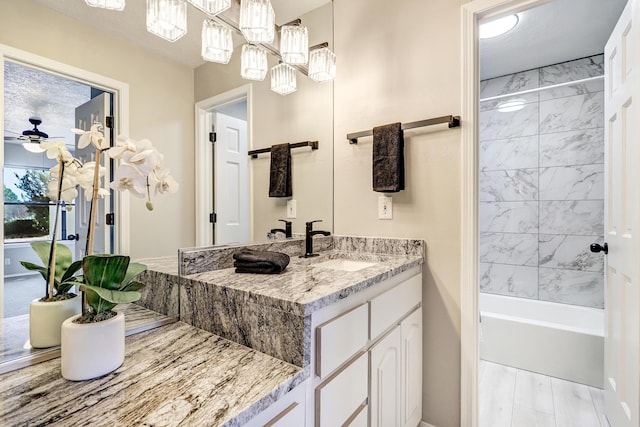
[[280, 176], [260, 262], [388, 158]]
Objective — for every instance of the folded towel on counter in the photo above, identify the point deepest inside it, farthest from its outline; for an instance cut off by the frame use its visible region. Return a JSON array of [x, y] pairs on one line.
[[280, 175], [260, 262], [388, 158]]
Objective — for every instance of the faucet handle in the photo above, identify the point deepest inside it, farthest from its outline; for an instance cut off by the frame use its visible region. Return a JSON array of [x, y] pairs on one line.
[[310, 224], [285, 221]]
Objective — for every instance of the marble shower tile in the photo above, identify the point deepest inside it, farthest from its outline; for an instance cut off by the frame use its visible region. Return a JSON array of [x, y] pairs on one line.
[[509, 185], [584, 182], [509, 217], [580, 217], [570, 252], [583, 288], [580, 147], [494, 104], [572, 113], [510, 153], [508, 84], [511, 280], [509, 248], [569, 71], [498, 125]]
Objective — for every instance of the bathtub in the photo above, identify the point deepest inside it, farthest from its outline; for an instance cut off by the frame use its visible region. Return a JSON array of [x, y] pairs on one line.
[[559, 340]]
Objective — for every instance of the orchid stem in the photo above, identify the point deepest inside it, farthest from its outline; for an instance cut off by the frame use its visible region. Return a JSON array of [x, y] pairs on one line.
[[51, 268]]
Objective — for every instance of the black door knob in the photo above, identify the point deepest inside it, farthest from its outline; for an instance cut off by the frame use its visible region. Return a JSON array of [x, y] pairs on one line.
[[73, 237], [596, 247]]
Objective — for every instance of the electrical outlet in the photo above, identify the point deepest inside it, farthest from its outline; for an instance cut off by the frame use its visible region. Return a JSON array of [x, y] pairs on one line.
[[292, 208], [7, 261], [385, 207]]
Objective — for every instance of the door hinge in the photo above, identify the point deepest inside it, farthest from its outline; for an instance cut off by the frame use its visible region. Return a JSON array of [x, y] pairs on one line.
[[109, 122], [212, 136], [111, 218], [213, 218]]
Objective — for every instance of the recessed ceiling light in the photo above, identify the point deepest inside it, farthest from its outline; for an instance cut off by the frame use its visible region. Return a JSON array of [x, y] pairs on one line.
[[511, 105], [498, 27]]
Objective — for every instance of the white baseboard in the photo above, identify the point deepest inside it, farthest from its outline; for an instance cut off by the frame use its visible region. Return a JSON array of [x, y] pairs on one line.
[[424, 424]]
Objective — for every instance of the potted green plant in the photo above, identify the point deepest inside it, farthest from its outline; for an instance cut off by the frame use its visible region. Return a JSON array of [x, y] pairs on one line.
[[46, 314], [93, 343]]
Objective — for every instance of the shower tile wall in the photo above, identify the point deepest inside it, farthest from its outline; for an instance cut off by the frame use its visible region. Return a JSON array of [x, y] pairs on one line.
[[542, 186]]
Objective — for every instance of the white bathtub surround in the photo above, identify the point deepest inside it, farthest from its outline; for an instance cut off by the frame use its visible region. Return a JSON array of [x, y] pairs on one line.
[[542, 185], [515, 397], [45, 320], [91, 350], [559, 340]]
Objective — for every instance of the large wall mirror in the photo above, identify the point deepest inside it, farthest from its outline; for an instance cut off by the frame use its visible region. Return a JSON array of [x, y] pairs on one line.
[[244, 210]]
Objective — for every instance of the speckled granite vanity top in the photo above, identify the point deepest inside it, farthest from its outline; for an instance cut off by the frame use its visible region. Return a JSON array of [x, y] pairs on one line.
[[305, 286], [173, 375]]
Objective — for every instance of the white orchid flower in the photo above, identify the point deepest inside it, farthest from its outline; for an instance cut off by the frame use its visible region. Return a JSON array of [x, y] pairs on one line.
[[123, 144], [129, 178], [92, 136], [144, 158], [69, 191], [56, 150], [165, 183]]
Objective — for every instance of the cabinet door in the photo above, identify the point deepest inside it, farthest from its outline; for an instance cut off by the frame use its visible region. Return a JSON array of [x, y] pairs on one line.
[[411, 328], [386, 380]]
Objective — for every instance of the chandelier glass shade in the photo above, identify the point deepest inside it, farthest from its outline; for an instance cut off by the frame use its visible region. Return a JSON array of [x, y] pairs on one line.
[[253, 62], [107, 4], [211, 7], [294, 44], [283, 79], [257, 21], [217, 44], [167, 18], [322, 65]]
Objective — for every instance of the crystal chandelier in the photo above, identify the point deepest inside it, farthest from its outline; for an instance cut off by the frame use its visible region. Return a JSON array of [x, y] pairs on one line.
[[294, 44], [257, 21], [107, 4], [283, 79], [167, 18], [322, 64], [211, 7], [253, 62], [217, 44]]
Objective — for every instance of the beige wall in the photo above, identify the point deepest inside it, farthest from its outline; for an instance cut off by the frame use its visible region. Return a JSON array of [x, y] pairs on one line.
[[161, 109], [400, 61], [301, 116]]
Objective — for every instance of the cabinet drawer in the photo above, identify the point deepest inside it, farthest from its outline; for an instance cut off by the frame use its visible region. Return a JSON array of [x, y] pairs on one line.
[[390, 306], [343, 393], [292, 416], [340, 338], [360, 418]]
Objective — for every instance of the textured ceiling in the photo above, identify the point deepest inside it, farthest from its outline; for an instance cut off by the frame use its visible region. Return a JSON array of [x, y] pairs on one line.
[[130, 24], [555, 32]]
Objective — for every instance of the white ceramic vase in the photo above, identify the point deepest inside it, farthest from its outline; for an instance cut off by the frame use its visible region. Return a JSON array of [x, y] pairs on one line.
[[91, 350], [45, 320]]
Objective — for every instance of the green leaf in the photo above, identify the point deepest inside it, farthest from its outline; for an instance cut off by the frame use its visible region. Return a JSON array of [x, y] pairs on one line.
[[134, 269], [33, 267], [63, 257], [105, 271], [71, 270], [116, 297], [133, 286]]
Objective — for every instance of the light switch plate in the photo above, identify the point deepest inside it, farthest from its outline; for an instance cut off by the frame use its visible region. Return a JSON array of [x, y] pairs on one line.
[[385, 207], [292, 207]]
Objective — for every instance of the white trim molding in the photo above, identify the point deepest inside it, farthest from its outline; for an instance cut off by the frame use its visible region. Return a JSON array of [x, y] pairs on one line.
[[120, 92], [471, 13], [204, 158], [423, 424]]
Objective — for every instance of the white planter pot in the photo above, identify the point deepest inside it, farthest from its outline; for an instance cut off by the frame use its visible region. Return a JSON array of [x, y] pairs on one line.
[[92, 350], [45, 320]]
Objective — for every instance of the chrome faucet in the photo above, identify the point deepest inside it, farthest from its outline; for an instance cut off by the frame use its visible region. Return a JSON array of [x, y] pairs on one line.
[[309, 238], [286, 231]]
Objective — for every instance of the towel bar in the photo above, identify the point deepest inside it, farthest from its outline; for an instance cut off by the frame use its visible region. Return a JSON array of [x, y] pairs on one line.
[[453, 121], [312, 144]]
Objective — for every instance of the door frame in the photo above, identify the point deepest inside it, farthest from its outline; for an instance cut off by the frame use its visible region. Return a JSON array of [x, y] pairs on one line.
[[120, 91], [204, 158], [469, 298]]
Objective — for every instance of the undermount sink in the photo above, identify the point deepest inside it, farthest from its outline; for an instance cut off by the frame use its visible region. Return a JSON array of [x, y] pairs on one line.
[[344, 264]]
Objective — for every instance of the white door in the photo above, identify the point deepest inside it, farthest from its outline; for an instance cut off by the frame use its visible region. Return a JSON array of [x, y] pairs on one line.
[[231, 189], [95, 110], [386, 381], [622, 219]]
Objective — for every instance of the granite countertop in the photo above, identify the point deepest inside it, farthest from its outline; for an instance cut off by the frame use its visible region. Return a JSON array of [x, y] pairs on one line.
[[165, 264], [173, 375], [302, 288]]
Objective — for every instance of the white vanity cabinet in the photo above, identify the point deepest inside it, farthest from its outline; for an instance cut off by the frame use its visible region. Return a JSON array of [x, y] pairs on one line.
[[288, 411], [366, 357]]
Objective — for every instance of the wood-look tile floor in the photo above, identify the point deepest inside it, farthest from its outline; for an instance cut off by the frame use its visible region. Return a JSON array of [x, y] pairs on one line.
[[511, 397]]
